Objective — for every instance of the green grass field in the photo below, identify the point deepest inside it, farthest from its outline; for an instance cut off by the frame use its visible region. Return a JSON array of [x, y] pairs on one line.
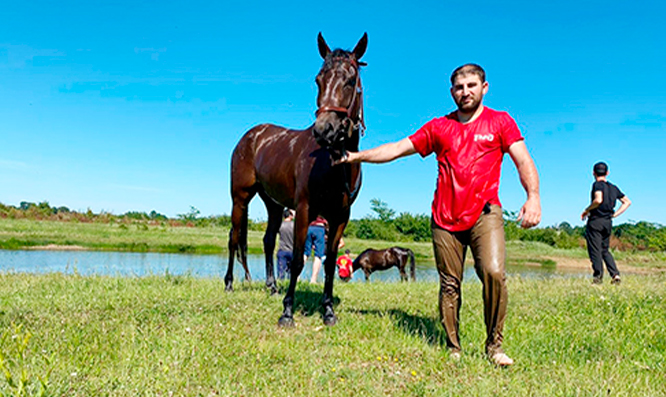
[[161, 336], [21, 233]]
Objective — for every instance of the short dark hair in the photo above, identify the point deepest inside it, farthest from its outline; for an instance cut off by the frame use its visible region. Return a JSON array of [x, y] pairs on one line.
[[600, 169], [347, 252], [286, 213], [469, 68]]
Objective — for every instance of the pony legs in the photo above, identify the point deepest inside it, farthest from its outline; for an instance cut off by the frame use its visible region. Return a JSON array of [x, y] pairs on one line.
[[403, 257]]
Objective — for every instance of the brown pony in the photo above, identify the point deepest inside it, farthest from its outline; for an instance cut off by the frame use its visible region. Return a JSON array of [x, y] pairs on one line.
[[295, 169], [371, 260]]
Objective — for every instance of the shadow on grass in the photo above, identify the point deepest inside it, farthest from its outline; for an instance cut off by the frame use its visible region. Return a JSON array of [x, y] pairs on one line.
[[426, 328], [307, 298]]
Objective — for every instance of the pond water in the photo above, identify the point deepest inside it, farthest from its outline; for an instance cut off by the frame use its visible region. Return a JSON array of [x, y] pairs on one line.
[[131, 264]]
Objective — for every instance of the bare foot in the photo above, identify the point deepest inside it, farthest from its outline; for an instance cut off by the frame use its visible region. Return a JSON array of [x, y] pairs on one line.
[[501, 359]]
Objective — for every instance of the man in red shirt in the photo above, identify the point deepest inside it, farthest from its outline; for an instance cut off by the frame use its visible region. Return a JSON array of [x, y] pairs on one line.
[[469, 144]]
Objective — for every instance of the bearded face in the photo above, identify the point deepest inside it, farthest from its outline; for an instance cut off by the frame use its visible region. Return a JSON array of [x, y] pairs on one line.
[[468, 91]]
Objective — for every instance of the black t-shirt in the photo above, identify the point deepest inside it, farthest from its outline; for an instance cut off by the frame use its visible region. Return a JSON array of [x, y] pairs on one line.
[[611, 193]]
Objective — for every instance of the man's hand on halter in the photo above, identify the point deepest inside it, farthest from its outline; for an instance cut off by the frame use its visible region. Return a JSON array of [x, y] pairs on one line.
[[381, 154], [347, 157]]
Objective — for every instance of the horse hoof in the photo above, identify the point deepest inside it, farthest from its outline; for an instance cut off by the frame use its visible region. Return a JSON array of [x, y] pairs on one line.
[[273, 289], [330, 320], [286, 322], [229, 287]]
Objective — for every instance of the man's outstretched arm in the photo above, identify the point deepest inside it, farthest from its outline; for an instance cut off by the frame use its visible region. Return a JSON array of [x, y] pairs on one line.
[[381, 154], [530, 213]]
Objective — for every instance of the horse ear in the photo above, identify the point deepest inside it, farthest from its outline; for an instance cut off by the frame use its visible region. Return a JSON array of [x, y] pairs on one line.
[[323, 47], [360, 48]]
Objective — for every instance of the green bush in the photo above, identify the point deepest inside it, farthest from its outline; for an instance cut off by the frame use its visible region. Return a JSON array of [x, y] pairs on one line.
[[642, 235], [375, 229], [416, 227]]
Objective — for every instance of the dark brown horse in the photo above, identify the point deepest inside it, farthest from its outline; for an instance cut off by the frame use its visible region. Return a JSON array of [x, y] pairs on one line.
[[371, 260], [295, 169]]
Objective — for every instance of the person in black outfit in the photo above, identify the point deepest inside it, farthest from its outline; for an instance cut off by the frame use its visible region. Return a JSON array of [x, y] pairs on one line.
[[599, 216]]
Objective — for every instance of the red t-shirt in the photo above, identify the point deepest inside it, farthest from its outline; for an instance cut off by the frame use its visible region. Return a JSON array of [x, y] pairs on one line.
[[345, 268], [469, 159]]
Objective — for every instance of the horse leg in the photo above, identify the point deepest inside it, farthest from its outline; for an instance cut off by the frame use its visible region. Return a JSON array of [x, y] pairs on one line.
[[412, 265], [301, 222], [329, 268], [274, 221], [327, 299], [238, 236], [401, 267]]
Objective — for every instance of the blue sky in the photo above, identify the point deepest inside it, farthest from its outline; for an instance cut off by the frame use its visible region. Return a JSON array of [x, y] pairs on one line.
[[121, 106]]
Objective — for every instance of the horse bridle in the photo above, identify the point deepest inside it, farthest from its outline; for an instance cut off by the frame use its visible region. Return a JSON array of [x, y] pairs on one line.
[[357, 99]]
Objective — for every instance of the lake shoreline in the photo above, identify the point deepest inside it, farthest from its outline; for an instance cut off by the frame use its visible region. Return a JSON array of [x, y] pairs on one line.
[[561, 263], [109, 263], [23, 234]]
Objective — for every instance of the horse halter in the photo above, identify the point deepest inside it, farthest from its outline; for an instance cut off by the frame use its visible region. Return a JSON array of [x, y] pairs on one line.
[[357, 99]]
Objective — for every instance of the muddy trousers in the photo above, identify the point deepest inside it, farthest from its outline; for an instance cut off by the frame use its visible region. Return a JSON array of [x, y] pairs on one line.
[[486, 240], [597, 235]]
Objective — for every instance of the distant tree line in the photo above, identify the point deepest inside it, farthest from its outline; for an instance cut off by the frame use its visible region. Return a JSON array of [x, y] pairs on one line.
[[382, 224], [641, 236], [44, 211]]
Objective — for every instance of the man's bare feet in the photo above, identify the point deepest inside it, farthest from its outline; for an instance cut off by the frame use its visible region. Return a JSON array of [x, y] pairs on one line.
[[501, 359]]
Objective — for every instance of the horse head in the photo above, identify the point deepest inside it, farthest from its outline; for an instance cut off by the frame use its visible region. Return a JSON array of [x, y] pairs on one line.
[[340, 97]]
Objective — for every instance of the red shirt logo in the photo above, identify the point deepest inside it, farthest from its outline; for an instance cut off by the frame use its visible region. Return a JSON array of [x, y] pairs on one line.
[[345, 268]]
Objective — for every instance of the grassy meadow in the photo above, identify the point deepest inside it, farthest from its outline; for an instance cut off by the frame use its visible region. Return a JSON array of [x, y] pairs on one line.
[[68, 335], [160, 336], [140, 237]]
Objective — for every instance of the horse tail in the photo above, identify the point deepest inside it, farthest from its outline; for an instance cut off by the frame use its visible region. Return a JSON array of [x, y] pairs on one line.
[[412, 264], [242, 240]]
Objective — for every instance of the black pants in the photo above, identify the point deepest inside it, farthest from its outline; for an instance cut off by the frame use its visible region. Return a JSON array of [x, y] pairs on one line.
[[598, 234]]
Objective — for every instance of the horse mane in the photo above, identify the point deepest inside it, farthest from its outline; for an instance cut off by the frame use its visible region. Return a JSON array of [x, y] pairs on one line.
[[356, 262]]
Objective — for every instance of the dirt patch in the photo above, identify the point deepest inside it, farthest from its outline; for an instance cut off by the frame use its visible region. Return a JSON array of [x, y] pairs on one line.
[[580, 263], [56, 247], [571, 263]]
